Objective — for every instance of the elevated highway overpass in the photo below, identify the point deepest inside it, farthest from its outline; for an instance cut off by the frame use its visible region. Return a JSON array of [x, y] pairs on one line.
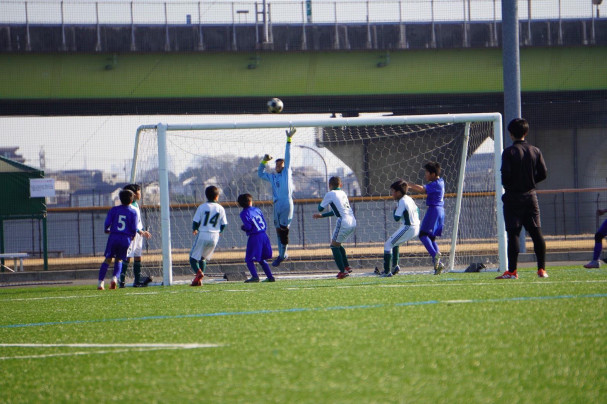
[[564, 85]]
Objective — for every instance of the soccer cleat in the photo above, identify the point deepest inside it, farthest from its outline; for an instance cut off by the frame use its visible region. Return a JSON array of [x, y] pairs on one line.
[[395, 270], [437, 264], [342, 275], [252, 280], [508, 275], [100, 287], [269, 280], [278, 260], [121, 285], [348, 270], [438, 269], [386, 275], [542, 273], [592, 264], [113, 285], [197, 281], [377, 271]]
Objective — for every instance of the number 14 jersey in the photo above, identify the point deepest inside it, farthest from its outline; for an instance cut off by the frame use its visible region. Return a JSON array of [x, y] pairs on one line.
[[211, 217]]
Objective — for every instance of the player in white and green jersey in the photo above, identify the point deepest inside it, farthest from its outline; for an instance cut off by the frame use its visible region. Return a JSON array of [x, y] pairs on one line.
[[407, 213], [337, 200], [209, 221]]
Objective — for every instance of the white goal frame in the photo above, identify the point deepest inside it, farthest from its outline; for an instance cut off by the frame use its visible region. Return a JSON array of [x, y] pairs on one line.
[[495, 118]]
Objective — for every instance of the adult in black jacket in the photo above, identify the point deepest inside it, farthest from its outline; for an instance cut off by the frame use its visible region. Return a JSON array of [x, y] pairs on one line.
[[523, 167]]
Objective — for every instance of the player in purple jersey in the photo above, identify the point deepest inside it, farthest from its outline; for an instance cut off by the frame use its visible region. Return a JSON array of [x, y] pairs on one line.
[[121, 224], [259, 248], [598, 242], [432, 224], [136, 248]]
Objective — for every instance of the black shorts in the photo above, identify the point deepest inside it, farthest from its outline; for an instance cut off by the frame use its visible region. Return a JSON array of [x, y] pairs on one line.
[[521, 210]]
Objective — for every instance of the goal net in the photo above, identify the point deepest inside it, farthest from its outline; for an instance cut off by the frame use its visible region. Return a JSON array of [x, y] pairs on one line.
[[175, 163]]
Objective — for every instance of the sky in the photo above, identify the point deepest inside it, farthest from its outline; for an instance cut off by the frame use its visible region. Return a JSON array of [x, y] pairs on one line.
[[107, 142], [282, 11]]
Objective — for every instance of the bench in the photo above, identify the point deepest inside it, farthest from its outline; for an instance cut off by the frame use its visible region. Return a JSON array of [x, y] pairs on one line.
[[15, 257], [56, 253]]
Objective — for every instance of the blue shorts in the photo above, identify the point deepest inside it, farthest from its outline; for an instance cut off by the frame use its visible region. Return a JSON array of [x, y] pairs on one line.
[[258, 248], [283, 213], [433, 221], [117, 246]]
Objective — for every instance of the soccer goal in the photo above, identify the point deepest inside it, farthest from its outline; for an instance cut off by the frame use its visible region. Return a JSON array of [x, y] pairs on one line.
[[175, 163]]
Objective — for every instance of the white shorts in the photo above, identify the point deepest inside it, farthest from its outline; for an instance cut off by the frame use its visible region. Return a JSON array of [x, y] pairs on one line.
[[136, 247], [401, 236], [343, 230], [204, 245]]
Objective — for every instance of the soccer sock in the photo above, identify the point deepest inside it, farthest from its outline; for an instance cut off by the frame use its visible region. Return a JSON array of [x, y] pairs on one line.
[[387, 259], [137, 271], [203, 265], [284, 250], [343, 256], [428, 244], [125, 267], [266, 268], [252, 270], [338, 257], [395, 256], [598, 247], [103, 271], [435, 246], [194, 265], [117, 268], [280, 248]]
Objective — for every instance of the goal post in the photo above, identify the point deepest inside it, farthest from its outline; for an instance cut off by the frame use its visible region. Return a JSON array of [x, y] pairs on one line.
[[174, 162]]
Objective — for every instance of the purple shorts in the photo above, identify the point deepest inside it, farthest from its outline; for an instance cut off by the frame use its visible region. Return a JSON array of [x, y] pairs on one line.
[[433, 221], [117, 246], [258, 248]]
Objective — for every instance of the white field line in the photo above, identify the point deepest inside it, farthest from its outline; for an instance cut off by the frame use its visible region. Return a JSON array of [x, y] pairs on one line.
[[115, 348]]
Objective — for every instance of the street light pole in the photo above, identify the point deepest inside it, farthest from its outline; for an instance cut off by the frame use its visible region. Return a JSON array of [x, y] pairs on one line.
[[326, 175]]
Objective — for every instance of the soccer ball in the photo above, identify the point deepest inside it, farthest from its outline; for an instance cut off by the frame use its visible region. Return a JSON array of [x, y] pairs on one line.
[[275, 106]]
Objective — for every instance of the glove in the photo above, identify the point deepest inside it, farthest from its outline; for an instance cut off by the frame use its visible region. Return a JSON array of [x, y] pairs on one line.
[[290, 133], [266, 158]]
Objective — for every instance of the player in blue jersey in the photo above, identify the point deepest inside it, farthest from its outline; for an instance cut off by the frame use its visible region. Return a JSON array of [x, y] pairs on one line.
[[209, 221], [136, 248], [598, 242], [432, 224], [259, 248], [121, 224], [282, 195], [337, 200], [407, 213]]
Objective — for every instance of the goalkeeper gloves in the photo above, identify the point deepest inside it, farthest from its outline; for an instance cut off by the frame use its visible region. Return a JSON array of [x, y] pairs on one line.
[[266, 158], [290, 134]]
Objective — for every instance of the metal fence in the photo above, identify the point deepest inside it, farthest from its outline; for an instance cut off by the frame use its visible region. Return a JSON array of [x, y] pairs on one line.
[[79, 232]]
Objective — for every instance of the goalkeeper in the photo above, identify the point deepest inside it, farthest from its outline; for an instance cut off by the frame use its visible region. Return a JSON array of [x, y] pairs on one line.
[[282, 195]]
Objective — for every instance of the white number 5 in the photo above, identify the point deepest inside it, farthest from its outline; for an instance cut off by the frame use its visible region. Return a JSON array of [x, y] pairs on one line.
[[121, 222]]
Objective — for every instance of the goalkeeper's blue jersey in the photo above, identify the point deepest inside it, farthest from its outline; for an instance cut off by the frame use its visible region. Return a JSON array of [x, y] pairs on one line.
[[282, 183]]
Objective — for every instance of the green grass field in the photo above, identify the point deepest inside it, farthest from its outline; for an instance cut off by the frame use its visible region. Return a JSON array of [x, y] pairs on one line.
[[457, 338]]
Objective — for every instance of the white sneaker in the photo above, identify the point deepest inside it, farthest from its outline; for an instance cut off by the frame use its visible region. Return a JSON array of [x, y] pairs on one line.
[[593, 264]]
